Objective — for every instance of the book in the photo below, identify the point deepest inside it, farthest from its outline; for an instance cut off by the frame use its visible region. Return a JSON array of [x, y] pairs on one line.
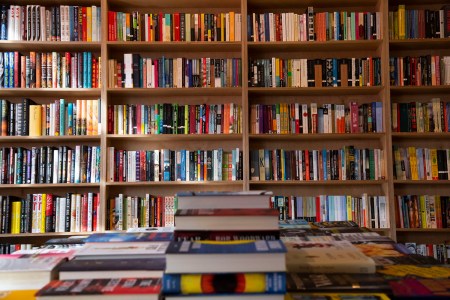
[[337, 296], [226, 235], [240, 256], [28, 272], [244, 199], [227, 219], [327, 257], [122, 250], [231, 283], [111, 268], [129, 288], [340, 282], [117, 237], [18, 295], [227, 297]]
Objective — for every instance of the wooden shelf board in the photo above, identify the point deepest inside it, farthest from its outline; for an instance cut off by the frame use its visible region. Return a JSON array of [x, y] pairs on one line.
[[177, 183], [53, 139], [23, 46], [177, 137], [423, 230], [421, 182], [314, 46], [48, 185], [420, 135], [142, 92], [317, 136], [418, 44], [414, 90], [176, 46], [315, 91], [51, 92], [318, 182]]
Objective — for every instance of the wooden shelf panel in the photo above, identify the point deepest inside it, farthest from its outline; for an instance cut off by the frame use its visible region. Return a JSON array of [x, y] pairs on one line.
[[414, 90], [49, 185], [27, 46], [204, 5], [421, 182], [317, 136], [142, 92], [423, 230], [416, 2], [177, 183], [290, 4], [420, 135], [419, 44], [66, 92], [269, 183], [369, 45], [176, 46], [52, 139], [315, 91], [177, 137]]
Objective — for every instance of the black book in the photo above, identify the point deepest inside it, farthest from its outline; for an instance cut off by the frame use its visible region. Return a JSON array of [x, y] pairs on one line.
[[192, 164], [136, 70], [182, 27], [67, 212], [49, 162]]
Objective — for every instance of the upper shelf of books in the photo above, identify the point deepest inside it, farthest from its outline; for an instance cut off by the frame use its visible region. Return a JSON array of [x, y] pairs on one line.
[[54, 2], [322, 4], [203, 4]]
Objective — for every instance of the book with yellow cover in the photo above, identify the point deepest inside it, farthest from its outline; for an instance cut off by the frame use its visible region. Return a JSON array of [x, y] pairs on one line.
[[335, 296], [35, 120], [18, 295]]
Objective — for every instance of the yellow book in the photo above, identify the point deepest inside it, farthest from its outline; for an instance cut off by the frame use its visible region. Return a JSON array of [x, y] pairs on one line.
[[232, 26], [35, 120], [95, 116], [423, 211], [89, 23], [222, 28], [89, 117], [434, 164], [18, 295], [413, 163], [401, 22], [349, 208], [15, 218], [202, 27], [43, 211]]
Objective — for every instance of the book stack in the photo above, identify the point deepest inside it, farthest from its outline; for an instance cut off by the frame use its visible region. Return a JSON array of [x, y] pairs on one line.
[[226, 246]]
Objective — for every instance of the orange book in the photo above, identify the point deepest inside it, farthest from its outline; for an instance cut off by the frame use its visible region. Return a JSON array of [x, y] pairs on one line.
[[232, 27]]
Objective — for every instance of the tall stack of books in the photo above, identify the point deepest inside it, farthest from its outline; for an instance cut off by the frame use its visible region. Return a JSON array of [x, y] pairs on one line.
[[226, 247]]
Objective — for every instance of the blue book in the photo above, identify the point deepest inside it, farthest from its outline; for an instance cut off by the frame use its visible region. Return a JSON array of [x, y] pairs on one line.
[[85, 70], [62, 117], [89, 69], [183, 165], [11, 69], [149, 236], [70, 129], [240, 256], [226, 283], [166, 165], [6, 70]]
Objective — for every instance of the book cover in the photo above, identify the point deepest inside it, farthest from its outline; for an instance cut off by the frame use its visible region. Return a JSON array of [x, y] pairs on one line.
[[236, 283], [236, 247], [226, 235], [128, 287], [129, 237], [327, 257], [123, 249]]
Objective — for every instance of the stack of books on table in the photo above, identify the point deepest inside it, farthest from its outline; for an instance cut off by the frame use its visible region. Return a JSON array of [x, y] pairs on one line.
[[225, 248], [112, 265], [320, 267]]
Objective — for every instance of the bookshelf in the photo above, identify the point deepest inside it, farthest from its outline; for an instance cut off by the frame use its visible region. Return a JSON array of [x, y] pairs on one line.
[[244, 96]]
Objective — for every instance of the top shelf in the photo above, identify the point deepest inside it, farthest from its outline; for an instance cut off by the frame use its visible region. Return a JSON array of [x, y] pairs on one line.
[[203, 4]]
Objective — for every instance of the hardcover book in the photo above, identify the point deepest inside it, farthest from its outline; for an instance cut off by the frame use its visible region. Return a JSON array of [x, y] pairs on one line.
[[246, 199], [240, 256], [327, 257], [122, 250], [117, 237], [129, 288]]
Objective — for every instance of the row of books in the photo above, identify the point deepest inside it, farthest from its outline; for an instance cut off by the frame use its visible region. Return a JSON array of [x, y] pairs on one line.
[[50, 70], [174, 165], [418, 23], [174, 27], [40, 213], [420, 163], [329, 72], [173, 118], [439, 251], [10, 248], [295, 118], [126, 212], [422, 211], [54, 23], [426, 70], [348, 163], [418, 116], [313, 26], [47, 164], [27, 118], [145, 72], [365, 210]]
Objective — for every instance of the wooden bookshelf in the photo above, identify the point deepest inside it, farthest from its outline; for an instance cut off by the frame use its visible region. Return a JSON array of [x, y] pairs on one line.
[[244, 96]]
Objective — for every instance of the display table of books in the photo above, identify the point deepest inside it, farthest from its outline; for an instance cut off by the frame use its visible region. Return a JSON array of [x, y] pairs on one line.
[[203, 259]]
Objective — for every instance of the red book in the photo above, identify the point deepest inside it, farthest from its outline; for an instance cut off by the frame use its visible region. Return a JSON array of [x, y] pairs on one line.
[[84, 212], [160, 26], [16, 69], [114, 26], [192, 119], [307, 165], [207, 120], [176, 17], [121, 153], [49, 226], [354, 117], [110, 119], [95, 212], [84, 23], [159, 211], [127, 287], [110, 25]]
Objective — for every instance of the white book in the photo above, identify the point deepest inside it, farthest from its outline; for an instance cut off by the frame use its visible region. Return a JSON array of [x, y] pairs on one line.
[[90, 203], [62, 214], [117, 250], [95, 26], [77, 164], [128, 69], [73, 209], [55, 165], [78, 213]]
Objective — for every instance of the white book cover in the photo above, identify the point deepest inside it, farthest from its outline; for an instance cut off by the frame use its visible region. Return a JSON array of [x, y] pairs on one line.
[[122, 249]]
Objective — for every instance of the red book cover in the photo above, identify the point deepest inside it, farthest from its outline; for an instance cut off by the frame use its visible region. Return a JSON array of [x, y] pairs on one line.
[[192, 119], [176, 17], [49, 213], [16, 69], [207, 120], [114, 26], [155, 75], [84, 212], [160, 26], [121, 153], [307, 165], [138, 118], [354, 117], [110, 25], [159, 210], [95, 211], [110, 119], [84, 23], [318, 216], [115, 286]]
